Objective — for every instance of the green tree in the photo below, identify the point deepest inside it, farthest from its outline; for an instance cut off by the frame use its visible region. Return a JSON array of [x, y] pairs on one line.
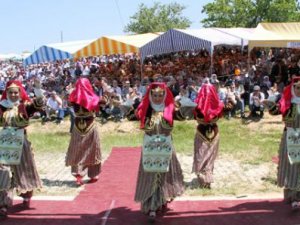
[[248, 13], [158, 18]]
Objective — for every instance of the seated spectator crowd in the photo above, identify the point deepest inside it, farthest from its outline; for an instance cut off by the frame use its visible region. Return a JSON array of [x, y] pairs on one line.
[[122, 81]]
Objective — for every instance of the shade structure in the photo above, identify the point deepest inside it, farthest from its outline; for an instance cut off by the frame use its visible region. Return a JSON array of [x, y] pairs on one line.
[[56, 51], [281, 35], [176, 40], [240, 32], [119, 44], [11, 56]]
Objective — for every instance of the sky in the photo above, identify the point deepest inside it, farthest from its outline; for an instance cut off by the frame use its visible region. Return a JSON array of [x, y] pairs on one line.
[[26, 25]]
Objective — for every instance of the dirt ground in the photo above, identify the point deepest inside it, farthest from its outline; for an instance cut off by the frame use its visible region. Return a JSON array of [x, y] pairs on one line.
[[232, 178]]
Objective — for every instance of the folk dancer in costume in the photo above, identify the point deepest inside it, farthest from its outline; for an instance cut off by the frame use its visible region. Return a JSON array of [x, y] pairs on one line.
[[84, 153], [160, 177], [15, 109], [206, 144], [288, 174]]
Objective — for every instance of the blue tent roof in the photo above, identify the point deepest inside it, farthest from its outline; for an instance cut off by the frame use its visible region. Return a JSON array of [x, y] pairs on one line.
[[53, 52], [46, 54]]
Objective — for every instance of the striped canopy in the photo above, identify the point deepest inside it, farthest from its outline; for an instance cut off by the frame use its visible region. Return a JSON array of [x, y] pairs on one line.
[[53, 52], [175, 40], [120, 44]]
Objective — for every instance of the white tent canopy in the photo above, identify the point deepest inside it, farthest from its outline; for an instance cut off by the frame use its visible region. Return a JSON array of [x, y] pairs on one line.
[[240, 32], [215, 36], [11, 56]]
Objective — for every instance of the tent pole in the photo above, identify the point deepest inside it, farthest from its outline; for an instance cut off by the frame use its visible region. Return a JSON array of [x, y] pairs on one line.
[[211, 60], [141, 61], [248, 59]]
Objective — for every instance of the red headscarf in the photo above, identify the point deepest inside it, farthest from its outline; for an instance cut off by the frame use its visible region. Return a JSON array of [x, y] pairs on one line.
[[23, 95], [84, 95], [169, 104], [285, 101], [208, 102]]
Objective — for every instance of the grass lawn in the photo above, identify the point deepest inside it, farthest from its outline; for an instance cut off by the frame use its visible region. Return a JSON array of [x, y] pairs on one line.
[[254, 143], [250, 144]]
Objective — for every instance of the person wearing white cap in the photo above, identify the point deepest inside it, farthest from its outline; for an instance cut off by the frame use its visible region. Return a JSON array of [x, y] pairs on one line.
[[256, 102], [53, 104]]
